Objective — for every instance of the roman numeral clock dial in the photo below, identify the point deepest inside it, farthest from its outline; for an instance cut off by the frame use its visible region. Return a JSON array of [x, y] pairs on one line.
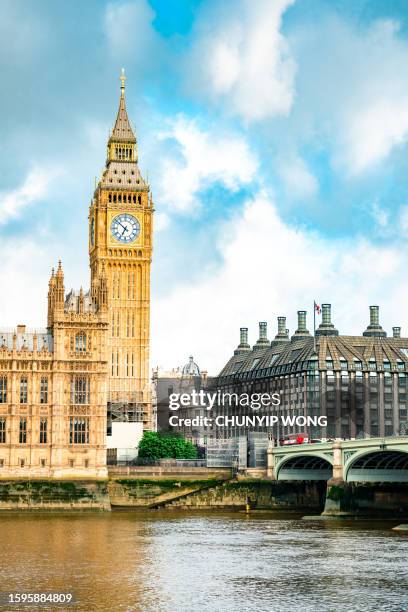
[[125, 228]]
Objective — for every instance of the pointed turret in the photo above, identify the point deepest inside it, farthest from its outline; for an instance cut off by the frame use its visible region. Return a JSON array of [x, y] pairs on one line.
[[81, 302], [51, 297], [59, 288], [122, 131], [122, 141]]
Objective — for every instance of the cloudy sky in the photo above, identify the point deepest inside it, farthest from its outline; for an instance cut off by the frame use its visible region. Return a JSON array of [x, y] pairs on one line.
[[274, 135]]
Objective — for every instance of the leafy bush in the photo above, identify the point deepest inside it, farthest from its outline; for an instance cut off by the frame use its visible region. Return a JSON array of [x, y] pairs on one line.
[[156, 446]]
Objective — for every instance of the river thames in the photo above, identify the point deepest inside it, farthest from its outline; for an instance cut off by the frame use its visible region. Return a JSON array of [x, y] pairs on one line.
[[205, 562]]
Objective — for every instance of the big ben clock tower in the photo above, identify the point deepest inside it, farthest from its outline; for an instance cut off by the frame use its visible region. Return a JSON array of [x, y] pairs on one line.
[[120, 243]]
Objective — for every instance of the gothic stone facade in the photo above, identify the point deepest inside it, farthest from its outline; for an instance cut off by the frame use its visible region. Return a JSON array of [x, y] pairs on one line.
[[120, 239], [56, 384], [53, 389]]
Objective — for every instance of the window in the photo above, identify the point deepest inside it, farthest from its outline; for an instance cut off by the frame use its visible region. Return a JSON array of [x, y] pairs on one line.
[[1, 463], [3, 422], [3, 390], [79, 430], [255, 363], [80, 390], [86, 463], [80, 343], [43, 431], [23, 431], [44, 390], [42, 462], [22, 462], [71, 463], [131, 285], [23, 390]]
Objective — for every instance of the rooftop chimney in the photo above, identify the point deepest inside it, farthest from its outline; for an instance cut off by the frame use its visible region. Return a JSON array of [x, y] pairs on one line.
[[262, 341], [374, 329], [283, 334], [243, 341], [326, 327], [396, 332], [301, 331]]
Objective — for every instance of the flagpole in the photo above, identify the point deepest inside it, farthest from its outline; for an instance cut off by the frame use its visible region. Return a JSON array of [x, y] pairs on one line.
[[314, 326]]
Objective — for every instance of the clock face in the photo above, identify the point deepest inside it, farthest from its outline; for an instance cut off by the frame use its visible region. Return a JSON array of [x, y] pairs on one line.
[[125, 228], [93, 231]]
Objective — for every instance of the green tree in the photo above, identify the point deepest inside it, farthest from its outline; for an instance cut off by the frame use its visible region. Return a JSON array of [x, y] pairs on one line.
[[156, 446]]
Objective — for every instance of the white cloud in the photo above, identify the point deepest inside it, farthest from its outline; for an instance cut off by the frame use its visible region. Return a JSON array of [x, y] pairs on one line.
[[24, 273], [352, 90], [403, 221], [161, 221], [380, 216], [203, 158], [270, 269], [242, 58], [299, 181], [34, 188], [129, 30], [378, 121], [373, 131]]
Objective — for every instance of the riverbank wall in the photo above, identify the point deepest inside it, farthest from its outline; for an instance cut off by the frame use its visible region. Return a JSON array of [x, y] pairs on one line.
[[366, 499], [51, 495], [153, 487]]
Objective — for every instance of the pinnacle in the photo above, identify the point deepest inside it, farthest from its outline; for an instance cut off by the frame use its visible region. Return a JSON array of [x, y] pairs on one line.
[[122, 130]]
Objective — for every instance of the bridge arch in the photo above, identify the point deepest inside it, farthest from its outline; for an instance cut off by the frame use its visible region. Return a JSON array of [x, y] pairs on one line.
[[304, 467], [378, 466]]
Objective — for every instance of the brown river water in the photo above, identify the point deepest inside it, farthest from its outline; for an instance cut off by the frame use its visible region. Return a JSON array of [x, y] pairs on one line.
[[176, 561]]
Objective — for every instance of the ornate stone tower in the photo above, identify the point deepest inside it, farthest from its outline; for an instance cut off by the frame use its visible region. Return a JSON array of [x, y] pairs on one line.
[[120, 240]]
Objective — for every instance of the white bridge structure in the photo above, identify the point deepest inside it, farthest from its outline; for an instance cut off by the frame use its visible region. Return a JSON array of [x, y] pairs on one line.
[[361, 460]]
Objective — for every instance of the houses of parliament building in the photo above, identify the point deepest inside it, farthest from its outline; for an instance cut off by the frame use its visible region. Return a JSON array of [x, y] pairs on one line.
[[59, 385]]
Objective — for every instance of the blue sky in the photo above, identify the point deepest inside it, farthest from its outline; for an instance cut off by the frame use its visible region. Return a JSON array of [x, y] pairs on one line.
[[274, 134]]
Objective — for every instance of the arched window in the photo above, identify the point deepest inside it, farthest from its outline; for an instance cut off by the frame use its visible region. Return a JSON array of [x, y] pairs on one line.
[[139, 198], [134, 199], [110, 197], [80, 342]]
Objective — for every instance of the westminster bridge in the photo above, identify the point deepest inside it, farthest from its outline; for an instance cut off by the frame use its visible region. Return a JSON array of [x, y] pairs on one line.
[[362, 460]]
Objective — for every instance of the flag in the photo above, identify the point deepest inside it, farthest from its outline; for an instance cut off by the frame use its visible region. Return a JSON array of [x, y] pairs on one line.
[[317, 308]]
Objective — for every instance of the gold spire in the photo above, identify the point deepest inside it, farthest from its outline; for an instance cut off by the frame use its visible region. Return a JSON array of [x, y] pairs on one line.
[[122, 131], [122, 86]]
